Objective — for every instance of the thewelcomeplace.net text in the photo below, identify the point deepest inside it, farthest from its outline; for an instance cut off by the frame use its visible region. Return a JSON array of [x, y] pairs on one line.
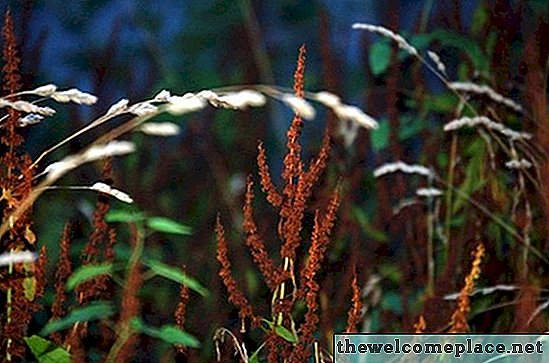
[[458, 348]]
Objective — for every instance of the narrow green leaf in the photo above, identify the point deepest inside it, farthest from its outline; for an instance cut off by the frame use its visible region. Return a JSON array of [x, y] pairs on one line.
[[255, 357], [175, 274], [45, 351], [93, 311], [166, 225], [38, 345], [285, 334], [379, 57], [281, 331], [409, 127], [168, 333], [88, 272], [380, 136], [361, 217], [124, 216]]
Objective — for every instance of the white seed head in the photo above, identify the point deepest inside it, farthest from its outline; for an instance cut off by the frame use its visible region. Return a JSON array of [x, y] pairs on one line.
[[27, 107], [299, 106], [518, 164], [143, 109], [355, 114], [488, 91], [241, 99], [207, 95], [30, 119], [486, 122], [10, 258], [74, 95], [162, 96], [118, 194], [402, 167], [113, 148], [328, 99], [118, 107], [428, 192], [189, 102], [401, 42], [57, 169], [45, 91], [348, 130], [436, 59], [160, 129]]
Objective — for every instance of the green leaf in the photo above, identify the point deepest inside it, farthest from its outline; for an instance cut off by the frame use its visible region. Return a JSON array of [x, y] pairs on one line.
[[29, 288], [175, 274], [255, 357], [379, 57], [409, 127], [88, 272], [166, 225], [168, 333], [45, 351], [93, 311], [285, 334], [281, 331], [480, 17], [474, 177], [361, 217], [380, 136], [125, 216]]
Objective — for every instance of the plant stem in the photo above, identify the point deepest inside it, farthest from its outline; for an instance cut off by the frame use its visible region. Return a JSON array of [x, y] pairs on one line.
[[125, 329], [449, 191]]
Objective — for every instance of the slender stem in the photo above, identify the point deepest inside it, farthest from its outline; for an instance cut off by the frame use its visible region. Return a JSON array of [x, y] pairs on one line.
[[449, 191], [8, 309], [430, 251], [282, 290]]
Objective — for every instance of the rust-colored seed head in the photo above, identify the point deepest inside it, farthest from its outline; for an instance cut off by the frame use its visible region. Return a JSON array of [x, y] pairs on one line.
[[420, 326], [64, 270], [254, 241], [459, 318], [299, 75], [184, 295], [236, 297], [355, 313], [267, 185]]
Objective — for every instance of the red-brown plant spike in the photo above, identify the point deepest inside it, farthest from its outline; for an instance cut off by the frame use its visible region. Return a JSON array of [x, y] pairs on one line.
[[458, 323], [267, 185], [12, 80], [271, 343], [236, 297], [255, 243], [180, 311], [299, 75], [19, 308], [129, 309], [64, 270], [293, 166], [96, 287], [355, 313], [320, 240], [40, 274], [420, 326], [130, 306]]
